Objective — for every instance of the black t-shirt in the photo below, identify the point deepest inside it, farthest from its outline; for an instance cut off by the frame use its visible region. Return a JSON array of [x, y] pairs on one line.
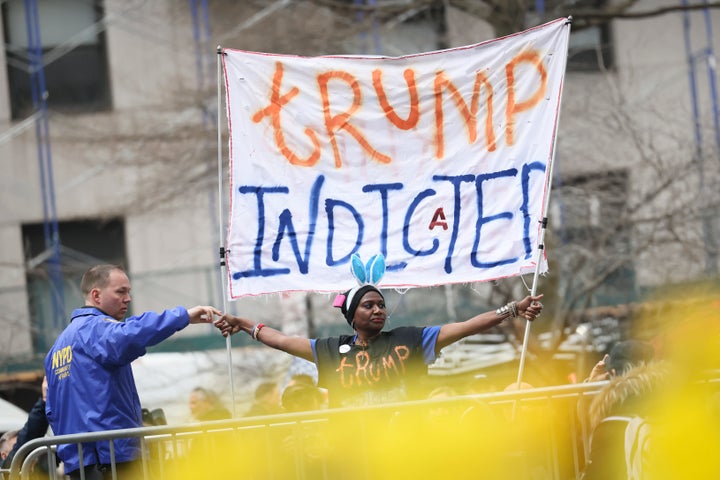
[[387, 370]]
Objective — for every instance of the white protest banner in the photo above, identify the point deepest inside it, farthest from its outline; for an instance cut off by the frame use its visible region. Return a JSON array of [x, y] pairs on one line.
[[438, 161]]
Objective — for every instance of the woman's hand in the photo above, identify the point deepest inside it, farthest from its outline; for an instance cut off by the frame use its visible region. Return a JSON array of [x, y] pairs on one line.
[[530, 307], [229, 324]]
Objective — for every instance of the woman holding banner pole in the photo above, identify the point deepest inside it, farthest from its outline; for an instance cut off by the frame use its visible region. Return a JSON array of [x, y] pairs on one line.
[[372, 365]]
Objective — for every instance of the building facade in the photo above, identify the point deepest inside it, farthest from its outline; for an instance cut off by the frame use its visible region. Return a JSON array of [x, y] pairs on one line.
[[118, 161]]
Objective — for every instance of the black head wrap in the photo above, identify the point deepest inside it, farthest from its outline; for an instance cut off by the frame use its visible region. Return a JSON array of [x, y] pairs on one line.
[[628, 353], [353, 296]]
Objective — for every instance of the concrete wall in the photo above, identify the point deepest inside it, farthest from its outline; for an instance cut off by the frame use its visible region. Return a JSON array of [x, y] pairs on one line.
[[103, 167]]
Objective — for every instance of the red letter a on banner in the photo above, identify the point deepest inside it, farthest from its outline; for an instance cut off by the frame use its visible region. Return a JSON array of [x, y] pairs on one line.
[[438, 220]]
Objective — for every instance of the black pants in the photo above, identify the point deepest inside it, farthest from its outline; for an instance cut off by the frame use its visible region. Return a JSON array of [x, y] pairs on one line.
[[125, 471]]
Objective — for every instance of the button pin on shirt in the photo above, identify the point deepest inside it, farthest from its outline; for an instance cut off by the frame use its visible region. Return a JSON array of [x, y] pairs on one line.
[[344, 348]]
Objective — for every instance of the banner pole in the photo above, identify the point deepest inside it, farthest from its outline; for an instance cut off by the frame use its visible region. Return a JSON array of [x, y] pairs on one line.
[[544, 221], [221, 236]]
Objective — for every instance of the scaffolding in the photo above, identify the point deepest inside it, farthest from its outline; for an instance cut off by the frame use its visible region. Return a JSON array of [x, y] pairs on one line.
[[699, 59], [36, 69]]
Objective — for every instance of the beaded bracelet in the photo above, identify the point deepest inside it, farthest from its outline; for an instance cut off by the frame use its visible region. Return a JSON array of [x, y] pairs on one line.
[[509, 308], [256, 330]]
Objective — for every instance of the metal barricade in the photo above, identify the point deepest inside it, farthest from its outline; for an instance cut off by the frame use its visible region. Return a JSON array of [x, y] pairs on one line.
[[533, 433]]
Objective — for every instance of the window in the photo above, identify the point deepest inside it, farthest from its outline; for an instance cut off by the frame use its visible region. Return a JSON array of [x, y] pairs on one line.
[[388, 29], [84, 243], [74, 55], [587, 200], [590, 49], [589, 218]]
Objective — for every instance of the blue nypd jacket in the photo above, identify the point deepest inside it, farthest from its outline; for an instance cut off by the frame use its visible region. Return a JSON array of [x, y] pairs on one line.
[[90, 381]]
